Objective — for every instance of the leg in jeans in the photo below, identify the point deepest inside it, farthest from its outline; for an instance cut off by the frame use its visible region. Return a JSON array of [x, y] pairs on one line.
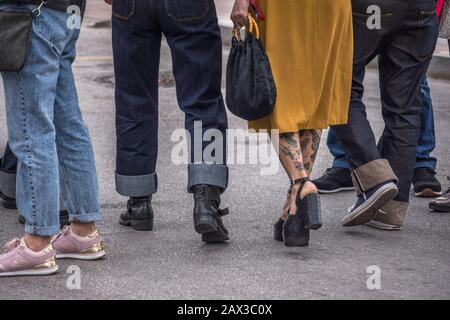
[[34, 124], [371, 174], [196, 47], [77, 172], [30, 97], [193, 34], [427, 138], [338, 177], [44, 122], [337, 150], [136, 46], [403, 65], [357, 136]]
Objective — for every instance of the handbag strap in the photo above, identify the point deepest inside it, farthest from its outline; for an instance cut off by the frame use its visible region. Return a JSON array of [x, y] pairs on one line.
[[253, 28], [253, 25]]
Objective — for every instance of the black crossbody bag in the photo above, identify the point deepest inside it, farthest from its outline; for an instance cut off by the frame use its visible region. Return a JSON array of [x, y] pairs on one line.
[[15, 36]]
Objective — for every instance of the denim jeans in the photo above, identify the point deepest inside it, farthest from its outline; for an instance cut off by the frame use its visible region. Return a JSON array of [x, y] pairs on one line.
[[427, 139], [192, 32], [47, 132], [404, 46]]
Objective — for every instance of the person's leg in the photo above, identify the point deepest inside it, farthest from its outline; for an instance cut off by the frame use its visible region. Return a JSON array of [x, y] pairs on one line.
[[309, 142], [30, 96], [357, 137], [337, 150], [193, 34], [194, 38], [403, 65], [78, 176], [372, 176], [136, 48], [8, 168], [427, 138], [424, 181], [297, 153], [338, 177]]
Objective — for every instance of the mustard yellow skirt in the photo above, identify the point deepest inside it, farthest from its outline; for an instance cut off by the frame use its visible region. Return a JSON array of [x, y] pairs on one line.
[[310, 47]]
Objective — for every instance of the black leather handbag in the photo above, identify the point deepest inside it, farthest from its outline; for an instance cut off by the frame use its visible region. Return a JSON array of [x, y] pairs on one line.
[[15, 37], [250, 85]]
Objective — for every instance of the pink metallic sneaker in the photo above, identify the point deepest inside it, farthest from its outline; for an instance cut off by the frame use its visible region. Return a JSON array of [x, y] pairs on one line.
[[70, 246], [19, 260]]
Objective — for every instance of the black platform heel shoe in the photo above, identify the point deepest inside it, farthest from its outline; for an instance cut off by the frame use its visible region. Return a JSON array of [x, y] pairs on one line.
[[309, 206], [296, 228], [294, 232], [278, 230]]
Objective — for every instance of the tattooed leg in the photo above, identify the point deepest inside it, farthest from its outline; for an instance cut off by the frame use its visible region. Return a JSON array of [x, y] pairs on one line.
[[290, 154], [297, 153], [309, 142], [291, 157]]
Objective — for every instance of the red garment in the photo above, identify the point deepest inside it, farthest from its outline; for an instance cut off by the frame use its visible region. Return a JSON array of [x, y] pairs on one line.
[[440, 5], [259, 13]]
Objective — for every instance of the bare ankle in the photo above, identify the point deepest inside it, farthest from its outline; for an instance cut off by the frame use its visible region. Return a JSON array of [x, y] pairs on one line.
[[308, 188], [83, 229], [36, 243]]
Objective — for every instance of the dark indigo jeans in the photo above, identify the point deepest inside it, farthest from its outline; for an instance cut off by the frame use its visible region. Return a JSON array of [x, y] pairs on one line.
[[404, 46], [427, 138], [193, 34]]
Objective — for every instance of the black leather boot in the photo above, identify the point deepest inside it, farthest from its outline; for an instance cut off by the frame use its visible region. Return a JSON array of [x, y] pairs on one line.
[[139, 214], [207, 215]]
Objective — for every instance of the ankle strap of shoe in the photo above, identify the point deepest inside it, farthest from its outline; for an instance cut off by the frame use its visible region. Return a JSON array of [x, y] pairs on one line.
[[300, 181]]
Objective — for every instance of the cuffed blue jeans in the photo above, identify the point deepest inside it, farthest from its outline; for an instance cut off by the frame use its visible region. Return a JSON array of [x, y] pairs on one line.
[[192, 32], [47, 132], [427, 139]]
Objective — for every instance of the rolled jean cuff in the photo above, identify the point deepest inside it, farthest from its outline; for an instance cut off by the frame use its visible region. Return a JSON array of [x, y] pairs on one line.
[[431, 164], [393, 213], [86, 217], [210, 174], [372, 174], [137, 186], [42, 231], [8, 184]]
